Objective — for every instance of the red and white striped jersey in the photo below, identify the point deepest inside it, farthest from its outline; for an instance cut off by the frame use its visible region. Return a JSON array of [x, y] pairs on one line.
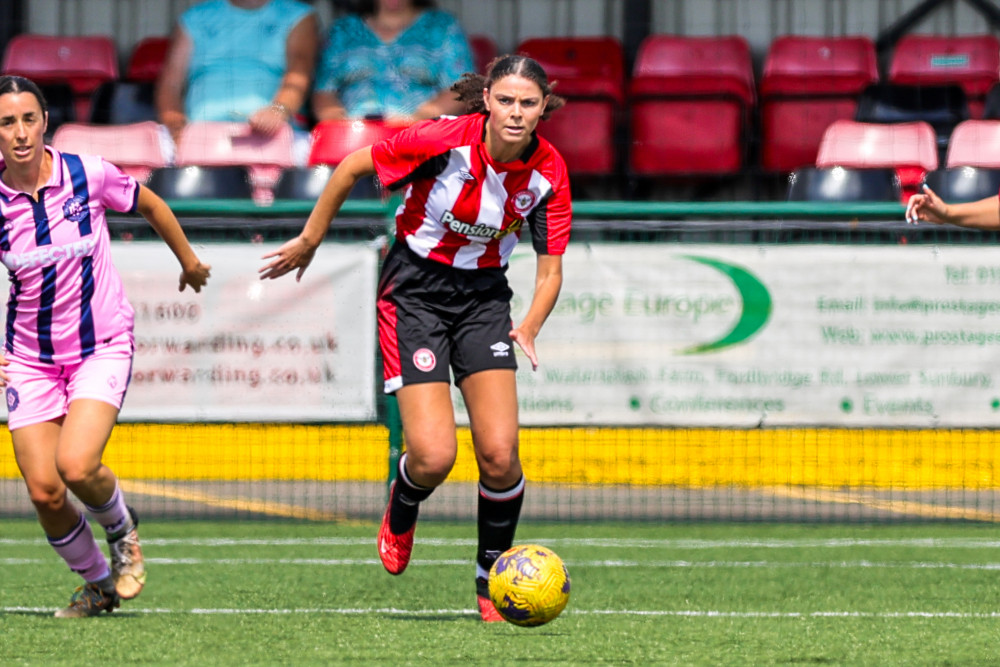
[[464, 209]]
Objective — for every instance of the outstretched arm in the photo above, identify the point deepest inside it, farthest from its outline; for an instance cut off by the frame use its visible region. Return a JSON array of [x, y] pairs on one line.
[[163, 220], [298, 252], [927, 206], [548, 282]]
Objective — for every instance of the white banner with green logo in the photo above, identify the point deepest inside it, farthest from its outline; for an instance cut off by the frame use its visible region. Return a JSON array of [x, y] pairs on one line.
[[725, 335]]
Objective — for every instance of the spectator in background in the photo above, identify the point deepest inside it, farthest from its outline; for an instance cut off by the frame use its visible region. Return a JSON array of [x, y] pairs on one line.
[[239, 60], [394, 59]]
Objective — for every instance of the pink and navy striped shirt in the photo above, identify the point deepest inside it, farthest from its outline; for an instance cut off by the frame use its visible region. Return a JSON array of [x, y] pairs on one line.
[[66, 297]]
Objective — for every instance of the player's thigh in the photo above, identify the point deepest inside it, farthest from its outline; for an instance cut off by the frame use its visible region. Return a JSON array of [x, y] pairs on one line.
[[491, 400], [85, 434], [35, 452], [428, 427], [95, 392]]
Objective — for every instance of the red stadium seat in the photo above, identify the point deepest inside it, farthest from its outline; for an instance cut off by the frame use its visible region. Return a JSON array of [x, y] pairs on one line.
[[807, 83], [333, 140], [134, 148], [971, 61], [146, 59], [975, 143], [83, 63], [484, 50], [909, 148], [690, 104], [218, 144], [590, 73]]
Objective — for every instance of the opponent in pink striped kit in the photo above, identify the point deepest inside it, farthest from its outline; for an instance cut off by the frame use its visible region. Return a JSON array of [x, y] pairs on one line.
[[471, 186], [68, 346]]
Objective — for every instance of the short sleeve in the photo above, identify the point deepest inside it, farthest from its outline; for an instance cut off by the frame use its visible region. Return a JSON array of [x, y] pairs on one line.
[[399, 156], [121, 191]]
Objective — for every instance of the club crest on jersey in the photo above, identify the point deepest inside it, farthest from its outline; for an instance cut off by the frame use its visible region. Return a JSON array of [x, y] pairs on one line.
[[75, 208], [13, 400], [523, 201], [424, 360]]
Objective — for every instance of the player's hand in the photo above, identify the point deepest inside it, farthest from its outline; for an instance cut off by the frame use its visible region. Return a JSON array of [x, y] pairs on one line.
[[195, 276], [293, 254], [526, 342], [3, 374], [926, 206]]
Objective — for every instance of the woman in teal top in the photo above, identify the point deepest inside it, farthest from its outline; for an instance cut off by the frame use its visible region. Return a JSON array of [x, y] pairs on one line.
[[239, 60], [393, 59]]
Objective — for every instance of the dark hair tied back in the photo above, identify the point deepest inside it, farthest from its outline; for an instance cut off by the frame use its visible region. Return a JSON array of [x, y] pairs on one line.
[[10, 83], [470, 87]]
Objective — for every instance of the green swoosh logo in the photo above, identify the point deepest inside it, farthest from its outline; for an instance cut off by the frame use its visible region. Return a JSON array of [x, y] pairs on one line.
[[756, 305]]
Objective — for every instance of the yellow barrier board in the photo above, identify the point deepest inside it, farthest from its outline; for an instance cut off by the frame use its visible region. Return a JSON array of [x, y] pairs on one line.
[[896, 459]]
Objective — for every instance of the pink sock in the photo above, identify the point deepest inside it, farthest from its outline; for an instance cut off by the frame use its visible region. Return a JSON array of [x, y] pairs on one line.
[[113, 515], [81, 552]]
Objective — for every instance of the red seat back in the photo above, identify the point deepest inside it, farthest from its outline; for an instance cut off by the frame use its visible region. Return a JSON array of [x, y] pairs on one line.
[[84, 63], [135, 148], [690, 102], [910, 148], [484, 50], [808, 83], [582, 66], [210, 144], [147, 58], [971, 61], [975, 143], [694, 66], [333, 140], [590, 73], [807, 65]]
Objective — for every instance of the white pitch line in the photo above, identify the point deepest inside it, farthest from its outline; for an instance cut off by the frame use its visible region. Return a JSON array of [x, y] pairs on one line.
[[610, 543], [656, 564], [392, 611]]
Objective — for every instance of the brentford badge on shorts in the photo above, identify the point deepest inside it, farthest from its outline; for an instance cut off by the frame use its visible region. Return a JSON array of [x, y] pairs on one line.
[[523, 201], [424, 360]]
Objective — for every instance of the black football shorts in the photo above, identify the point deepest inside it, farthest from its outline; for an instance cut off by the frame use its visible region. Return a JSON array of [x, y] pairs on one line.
[[434, 319]]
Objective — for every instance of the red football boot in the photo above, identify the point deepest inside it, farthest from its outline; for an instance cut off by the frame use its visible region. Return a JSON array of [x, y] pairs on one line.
[[394, 550]]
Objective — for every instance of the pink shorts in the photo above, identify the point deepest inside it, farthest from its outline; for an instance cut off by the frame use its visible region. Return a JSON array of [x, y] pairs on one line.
[[38, 392]]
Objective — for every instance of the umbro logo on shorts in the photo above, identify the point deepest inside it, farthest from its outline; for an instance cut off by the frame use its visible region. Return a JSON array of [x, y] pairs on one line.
[[500, 349]]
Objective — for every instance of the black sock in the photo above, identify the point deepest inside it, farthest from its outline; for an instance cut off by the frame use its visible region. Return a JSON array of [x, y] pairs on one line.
[[405, 501], [499, 512]]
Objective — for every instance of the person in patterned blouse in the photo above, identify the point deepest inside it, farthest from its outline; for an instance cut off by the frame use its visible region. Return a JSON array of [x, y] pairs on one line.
[[393, 59]]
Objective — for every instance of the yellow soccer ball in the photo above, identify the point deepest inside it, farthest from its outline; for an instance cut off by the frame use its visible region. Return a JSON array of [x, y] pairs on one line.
[[529, 585]]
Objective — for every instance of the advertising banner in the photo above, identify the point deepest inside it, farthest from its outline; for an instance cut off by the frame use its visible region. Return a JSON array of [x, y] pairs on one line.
[[251, 350], [770, 335], [247, 349]]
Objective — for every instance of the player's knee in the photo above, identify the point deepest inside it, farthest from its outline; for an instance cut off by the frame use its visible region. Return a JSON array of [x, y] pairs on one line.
[[47, 498], [498, 463], [430, 469], [77, 471]]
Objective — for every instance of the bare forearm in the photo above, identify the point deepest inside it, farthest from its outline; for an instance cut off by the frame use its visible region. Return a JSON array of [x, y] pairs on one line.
[[354, 167], [166, 225], [982, 214], [547, 287]]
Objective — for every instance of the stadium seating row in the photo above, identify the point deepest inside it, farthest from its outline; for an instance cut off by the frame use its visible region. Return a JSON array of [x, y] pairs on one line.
[[889, 162], [688, 107], [138, 149]]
